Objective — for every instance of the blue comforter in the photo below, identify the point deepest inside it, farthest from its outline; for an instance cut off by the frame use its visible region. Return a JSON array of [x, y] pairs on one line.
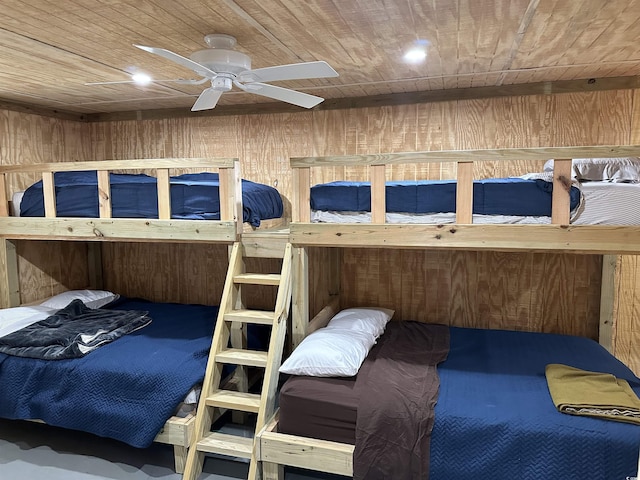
[[193, 196], [495, 196], [495, 417], [125, 390]]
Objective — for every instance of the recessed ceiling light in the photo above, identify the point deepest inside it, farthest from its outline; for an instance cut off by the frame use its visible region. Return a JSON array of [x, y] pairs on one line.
[[141, 79], [415, 55]]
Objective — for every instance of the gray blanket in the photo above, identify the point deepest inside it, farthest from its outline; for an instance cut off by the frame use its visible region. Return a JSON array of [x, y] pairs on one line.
[[72, 332]]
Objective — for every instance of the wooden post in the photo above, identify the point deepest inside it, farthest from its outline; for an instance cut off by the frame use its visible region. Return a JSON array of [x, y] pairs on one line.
[[4, 200], [464, 193], [49, 192], [608, 301], [378, 194], [300, 298], [301, 208], [561, 206], [164, 194], [9, 280], [231, 195], [104, 193]]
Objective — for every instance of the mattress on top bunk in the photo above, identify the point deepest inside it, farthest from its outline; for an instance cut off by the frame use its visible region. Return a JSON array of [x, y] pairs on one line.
[[604, 203], [124, 390], [495, 196], [494, 415], [193, 197]]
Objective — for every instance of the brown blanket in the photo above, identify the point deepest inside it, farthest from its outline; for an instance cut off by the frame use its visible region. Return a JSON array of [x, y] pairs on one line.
[[398, 389]]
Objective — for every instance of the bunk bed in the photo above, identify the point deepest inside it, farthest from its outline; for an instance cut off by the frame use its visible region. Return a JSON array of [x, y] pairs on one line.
[[165, 210], [514, 424]]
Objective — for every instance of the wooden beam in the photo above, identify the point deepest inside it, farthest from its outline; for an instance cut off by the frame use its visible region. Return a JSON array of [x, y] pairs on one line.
[[164, 194], [9, 280], [300, 296], [117, 229], [49, 192], [231, 195], [596, 239], [464, 193], [561, 196], [408, 98], [133, 164], [498, 154], [104, 194], [301, 210], [4, 199], [608, 301], [378, 194]]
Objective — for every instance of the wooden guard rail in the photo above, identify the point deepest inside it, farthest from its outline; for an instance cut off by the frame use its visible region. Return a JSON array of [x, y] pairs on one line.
[[230, 188], [558, 236], [464, 159], [228, 171]]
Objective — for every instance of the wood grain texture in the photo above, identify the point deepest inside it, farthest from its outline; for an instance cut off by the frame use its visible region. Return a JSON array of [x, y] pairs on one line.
[[506, 289]]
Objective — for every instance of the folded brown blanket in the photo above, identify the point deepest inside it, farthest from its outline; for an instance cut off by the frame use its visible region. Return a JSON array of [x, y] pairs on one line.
[[594, 394]]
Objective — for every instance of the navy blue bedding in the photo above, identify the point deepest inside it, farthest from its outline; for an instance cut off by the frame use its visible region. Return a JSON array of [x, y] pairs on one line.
[[495, 196], [193, 196], [124, 390], [495, 416]]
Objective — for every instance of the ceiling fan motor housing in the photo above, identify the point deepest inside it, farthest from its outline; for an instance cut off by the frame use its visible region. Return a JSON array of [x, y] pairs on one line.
[[221, 58]]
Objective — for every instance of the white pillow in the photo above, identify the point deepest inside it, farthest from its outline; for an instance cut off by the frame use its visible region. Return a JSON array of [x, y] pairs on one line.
[[91, 298], [329, 352], [603, 169], [370, 319]]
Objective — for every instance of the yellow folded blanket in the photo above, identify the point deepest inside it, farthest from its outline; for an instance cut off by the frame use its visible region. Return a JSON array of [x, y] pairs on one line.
[[602, 395]]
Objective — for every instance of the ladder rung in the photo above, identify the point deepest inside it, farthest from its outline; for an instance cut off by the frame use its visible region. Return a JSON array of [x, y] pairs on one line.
[[258, 278], [225, 444], [250, 316], [237, 356], [246, 402]]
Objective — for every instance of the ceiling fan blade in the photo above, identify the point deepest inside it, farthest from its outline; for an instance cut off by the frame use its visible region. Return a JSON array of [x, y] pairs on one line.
[[184, 61], [285, 94], [295, 71], [208, 99]]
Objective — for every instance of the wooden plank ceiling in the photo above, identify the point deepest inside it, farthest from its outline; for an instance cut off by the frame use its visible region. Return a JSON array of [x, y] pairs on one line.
[[49, 49]]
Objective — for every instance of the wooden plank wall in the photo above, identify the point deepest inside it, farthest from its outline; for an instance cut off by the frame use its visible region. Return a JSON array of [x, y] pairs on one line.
[[486, 289], [45, 268]]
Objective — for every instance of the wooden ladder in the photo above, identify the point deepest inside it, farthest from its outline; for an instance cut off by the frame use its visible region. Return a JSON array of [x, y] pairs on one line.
[[213, 398]]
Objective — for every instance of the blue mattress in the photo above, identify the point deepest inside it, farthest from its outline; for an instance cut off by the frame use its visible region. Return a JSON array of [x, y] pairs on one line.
[[193, 197], [494, 417], [495, 196], [124, 390]]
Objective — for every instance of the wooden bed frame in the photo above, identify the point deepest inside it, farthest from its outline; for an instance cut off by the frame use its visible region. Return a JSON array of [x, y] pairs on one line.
[[177, 431], [277, 449]]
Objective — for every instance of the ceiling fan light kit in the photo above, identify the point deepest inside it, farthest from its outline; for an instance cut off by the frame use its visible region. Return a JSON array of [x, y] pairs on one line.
[[226, 67]]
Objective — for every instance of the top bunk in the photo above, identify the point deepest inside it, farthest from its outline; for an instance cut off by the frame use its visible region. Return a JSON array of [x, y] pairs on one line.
[[483, 215], [111, 201]]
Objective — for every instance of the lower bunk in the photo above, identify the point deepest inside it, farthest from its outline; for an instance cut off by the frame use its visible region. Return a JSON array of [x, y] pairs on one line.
[[137, 389], [494, 417]]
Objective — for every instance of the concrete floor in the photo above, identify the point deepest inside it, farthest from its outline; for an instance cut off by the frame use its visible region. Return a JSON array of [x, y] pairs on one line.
[[31, 451]]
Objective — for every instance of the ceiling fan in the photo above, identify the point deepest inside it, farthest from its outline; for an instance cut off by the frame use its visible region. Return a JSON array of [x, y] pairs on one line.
[[225, 67]]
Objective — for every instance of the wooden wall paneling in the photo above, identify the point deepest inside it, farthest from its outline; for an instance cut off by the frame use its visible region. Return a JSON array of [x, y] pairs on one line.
[[47, 268], [415, 302], [332, 132], [434, 132], [463, 300], [627, 326]]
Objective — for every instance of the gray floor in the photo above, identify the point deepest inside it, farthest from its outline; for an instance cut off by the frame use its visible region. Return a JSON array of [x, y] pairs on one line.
[[30, 451]]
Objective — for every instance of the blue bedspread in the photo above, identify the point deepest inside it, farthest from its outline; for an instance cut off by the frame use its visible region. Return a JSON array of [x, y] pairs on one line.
[[495, 196], [125, 390], [495, 418], [193, 196]]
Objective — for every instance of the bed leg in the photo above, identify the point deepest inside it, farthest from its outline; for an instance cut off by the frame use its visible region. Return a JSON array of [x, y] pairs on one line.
[[272, 471], [180, 457]]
